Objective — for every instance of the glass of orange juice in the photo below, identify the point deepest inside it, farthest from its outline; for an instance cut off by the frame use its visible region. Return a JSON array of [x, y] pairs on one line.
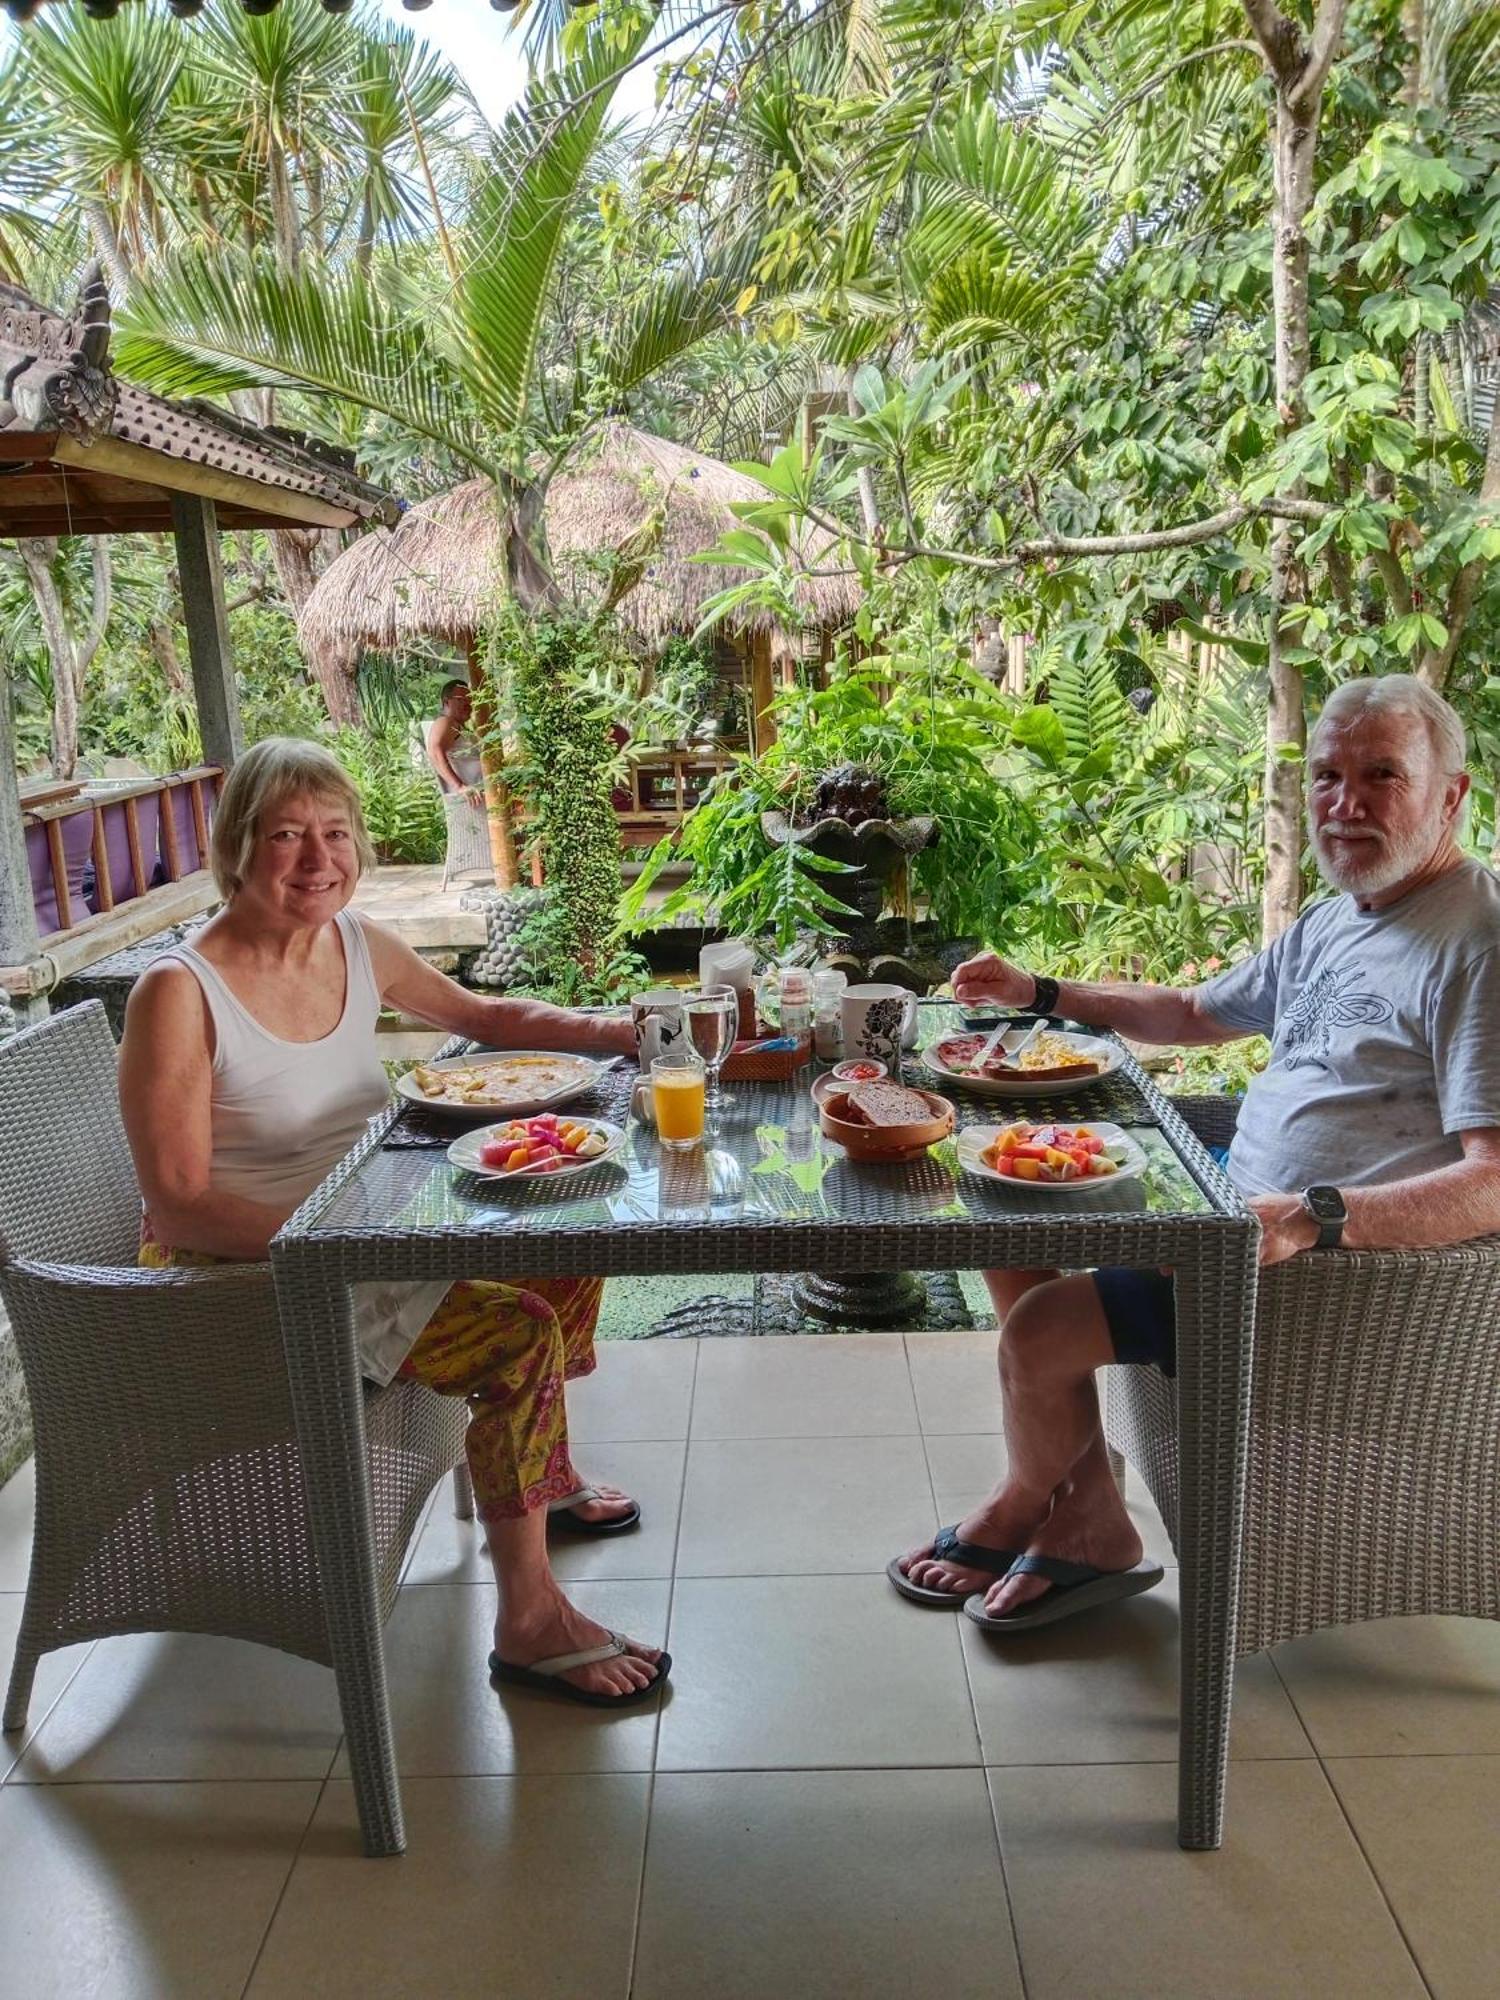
[[677, 1081]]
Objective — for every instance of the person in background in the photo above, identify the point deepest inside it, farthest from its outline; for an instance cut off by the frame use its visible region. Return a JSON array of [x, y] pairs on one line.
[[249, 1068], [452, 748]]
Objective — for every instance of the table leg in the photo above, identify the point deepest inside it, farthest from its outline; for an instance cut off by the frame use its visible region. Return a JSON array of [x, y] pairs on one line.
[[1215, 1331], [317, 1324]]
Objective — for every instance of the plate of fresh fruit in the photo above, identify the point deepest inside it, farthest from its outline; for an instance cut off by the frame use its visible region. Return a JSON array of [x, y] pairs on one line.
[[1050, 1157], [529, 1147]]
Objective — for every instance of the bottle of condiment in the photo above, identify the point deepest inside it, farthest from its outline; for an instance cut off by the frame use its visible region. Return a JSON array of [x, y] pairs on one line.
[[796, 1000], [828, 1020]]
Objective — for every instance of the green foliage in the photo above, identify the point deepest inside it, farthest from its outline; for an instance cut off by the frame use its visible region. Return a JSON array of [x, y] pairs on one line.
[[563, 778], [402, 807]]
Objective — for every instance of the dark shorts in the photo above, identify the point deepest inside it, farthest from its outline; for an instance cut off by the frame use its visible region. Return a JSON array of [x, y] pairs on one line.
[[1141, 1309]]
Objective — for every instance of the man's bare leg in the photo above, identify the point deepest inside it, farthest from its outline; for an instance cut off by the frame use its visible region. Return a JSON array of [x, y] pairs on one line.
[[1005, 1288], [1058, 1496], [1054, 1341]]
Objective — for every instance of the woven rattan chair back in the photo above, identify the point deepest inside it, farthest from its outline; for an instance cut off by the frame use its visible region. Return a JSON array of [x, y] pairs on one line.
[[172, 1488], [67, 1187], [1373, 1485]]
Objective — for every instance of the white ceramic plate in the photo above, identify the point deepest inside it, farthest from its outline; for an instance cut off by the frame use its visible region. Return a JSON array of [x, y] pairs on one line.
[[518, 1094], [1109, 1056], [465, 1153], [973, 1140]]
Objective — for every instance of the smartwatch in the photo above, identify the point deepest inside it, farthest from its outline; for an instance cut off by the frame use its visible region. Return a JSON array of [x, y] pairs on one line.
[[1326, 1207], [1044, 999]]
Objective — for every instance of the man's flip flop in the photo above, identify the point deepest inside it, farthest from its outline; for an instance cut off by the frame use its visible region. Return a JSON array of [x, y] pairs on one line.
[[542, 1675], [561, 1515], [946, 1547], [1075, 1587]]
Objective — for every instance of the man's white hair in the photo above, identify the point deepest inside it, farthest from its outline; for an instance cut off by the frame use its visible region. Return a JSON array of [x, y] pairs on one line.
[[1400, 694]]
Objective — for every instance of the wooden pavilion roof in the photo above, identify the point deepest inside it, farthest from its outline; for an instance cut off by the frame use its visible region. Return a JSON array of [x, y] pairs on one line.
[[84, 453]]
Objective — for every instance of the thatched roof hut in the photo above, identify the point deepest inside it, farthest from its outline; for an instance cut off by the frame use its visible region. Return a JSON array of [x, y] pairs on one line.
[[433, 575]]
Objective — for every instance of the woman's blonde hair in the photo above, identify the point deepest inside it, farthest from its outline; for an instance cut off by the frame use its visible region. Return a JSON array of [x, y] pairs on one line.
[[276, 769]]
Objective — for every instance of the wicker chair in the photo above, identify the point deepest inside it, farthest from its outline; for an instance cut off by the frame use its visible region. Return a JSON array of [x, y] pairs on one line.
[[1373, 1483], [170, 1491]]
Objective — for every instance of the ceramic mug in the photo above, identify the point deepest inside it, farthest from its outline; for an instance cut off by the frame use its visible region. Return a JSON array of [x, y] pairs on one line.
[[877, 1021], [659, 1018]]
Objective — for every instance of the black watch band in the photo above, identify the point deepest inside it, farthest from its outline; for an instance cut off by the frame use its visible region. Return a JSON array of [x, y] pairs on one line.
[[1044, 1000]]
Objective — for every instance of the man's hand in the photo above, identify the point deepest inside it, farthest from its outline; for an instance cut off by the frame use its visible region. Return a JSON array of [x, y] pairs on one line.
[[474, 794], [1286, 1228], [988, 981]]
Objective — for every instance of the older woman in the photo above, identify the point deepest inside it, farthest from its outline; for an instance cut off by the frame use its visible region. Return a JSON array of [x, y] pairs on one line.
[[249, 1068]]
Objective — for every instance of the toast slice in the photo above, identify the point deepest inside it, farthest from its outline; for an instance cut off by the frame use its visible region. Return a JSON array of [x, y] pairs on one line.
[[889, 1104]]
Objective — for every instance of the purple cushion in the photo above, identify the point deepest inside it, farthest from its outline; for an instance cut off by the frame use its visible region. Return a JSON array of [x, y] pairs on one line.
[[77, 841]]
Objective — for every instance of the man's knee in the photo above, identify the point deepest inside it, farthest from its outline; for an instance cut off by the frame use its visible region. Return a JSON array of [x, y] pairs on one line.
[[1052, 1330]]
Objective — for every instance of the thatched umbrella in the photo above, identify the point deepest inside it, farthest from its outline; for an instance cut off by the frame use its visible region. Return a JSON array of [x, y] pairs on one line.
[[437, 574]]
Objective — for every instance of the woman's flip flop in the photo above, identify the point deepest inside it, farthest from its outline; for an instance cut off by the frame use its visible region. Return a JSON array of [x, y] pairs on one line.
[[542, 1675], [947, 1547], [1075, 1587], [560, 1515]]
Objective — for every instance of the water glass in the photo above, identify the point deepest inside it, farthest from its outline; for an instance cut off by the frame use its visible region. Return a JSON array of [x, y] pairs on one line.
[[713, 1018]]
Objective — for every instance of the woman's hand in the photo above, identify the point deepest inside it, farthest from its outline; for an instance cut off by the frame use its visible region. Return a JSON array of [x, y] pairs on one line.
[[989, 981]]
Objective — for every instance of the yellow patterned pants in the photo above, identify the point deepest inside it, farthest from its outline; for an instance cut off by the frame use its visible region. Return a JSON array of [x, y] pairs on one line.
[[507, 1349]]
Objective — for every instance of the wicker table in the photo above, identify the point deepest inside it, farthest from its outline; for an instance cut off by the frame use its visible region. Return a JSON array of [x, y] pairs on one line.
[[768, 1193]]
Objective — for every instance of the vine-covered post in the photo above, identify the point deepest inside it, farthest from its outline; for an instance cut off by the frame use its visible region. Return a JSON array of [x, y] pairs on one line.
[[492, 766]]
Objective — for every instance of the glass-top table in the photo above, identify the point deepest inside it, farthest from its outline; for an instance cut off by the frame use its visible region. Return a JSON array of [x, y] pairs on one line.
[[767, 1192]]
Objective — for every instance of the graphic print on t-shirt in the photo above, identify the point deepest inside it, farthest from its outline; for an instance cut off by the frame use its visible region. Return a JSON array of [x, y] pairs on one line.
[[1319, 1008]]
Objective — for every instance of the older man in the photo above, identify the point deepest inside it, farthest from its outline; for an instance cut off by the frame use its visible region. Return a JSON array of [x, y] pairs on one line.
[[1376, 1124]]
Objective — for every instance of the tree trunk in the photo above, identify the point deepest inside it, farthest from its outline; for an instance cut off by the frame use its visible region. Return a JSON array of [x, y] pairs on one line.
[[1286, 721], [101, 229], [294, 552], [864, 478], [69, 652], [492, 765]]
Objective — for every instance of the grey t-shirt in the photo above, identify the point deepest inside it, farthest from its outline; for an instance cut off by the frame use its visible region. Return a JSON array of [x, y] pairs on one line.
[[1385, 1037]]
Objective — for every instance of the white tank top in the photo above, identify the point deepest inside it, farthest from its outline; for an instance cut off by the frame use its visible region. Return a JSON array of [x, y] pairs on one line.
[[285, 1113]]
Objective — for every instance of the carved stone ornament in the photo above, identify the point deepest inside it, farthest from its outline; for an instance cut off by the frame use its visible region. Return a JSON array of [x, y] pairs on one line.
[[54, 372]]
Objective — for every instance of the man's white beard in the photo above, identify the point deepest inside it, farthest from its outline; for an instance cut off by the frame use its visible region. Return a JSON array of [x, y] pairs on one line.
[[1370, 865]]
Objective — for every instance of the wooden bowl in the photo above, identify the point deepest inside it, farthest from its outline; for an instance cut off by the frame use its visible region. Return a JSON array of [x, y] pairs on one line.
[[885, 1142]]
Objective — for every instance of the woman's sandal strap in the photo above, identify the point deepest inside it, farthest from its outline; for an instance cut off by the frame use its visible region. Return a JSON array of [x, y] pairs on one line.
[[564, 1663]]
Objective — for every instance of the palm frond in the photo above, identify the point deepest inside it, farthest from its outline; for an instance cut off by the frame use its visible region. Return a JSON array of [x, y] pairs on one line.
[[207, 325], [511, 247]]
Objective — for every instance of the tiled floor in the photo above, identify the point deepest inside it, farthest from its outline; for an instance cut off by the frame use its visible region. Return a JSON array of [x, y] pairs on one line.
[[843, 1796]]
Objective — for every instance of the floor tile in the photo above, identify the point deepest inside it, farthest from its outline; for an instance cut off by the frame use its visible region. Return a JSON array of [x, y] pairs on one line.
[[1105, 1902], [763, 1883], [454, 1551], [851, 1385], [966, 1466], [520, 1886], [113, 1892], [17, 1504], [1401, 1687], [174, 1705], [801, 1506], [798, 1672], [956, 1382], [1429, 1827], [641, 1390], [54, 1671], [449, 1721], [1101, 1688]]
